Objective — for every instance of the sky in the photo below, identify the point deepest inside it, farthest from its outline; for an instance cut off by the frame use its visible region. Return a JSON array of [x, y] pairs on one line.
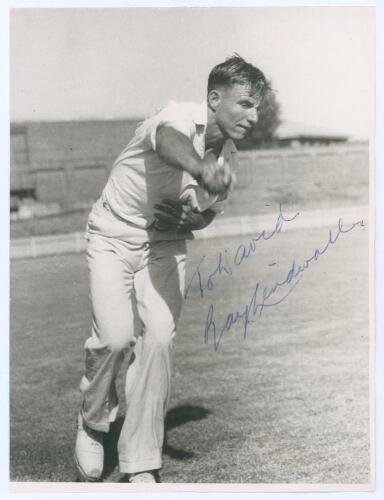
[[120, 63]]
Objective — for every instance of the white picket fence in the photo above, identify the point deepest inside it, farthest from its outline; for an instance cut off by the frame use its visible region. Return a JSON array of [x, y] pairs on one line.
[[22, 248]]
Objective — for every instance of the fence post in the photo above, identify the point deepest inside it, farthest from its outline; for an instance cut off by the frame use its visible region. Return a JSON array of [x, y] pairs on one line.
[[33, 247], [77, 242]]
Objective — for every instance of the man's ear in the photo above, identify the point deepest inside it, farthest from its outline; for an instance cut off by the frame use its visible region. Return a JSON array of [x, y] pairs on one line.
[[214, 98]]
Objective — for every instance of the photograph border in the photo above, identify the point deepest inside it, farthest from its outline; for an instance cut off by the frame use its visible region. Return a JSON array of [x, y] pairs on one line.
[[370, 490]]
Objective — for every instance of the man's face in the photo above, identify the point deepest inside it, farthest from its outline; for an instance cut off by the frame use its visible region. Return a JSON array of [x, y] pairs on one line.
[[235, 110]]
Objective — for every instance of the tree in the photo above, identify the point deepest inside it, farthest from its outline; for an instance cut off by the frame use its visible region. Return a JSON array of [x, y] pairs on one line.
[[263, 133]]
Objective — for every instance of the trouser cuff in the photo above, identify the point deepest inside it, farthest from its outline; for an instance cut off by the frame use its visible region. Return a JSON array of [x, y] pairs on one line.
[[131, 467], [101, 426]]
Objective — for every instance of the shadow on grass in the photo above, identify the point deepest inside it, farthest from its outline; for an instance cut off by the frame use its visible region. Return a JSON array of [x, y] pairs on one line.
[[175, 417], [179, 416]]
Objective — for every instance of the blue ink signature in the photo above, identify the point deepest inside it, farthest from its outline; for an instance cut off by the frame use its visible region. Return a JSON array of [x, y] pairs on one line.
[[241, 254], [255, 305]]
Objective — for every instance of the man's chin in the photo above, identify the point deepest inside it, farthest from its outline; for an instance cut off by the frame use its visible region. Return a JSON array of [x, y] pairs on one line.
[[238, 135]]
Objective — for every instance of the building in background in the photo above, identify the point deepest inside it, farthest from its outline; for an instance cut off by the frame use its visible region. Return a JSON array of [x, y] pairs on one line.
[[67, 163], [291, 134], [64, 162]]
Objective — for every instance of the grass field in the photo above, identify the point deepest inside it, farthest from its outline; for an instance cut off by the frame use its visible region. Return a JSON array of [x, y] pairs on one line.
[[287, 404]]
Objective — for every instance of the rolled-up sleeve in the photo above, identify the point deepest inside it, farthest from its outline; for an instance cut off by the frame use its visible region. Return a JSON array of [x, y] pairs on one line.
[[173, 115]]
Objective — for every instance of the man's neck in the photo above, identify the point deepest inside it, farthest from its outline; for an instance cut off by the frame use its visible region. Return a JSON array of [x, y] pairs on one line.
[[214, 138]]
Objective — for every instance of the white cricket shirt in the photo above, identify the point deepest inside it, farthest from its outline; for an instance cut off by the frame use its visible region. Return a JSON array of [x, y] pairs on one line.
[[140, 178]]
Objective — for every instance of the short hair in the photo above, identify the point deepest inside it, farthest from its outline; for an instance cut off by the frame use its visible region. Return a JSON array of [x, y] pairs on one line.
[[236, 70]]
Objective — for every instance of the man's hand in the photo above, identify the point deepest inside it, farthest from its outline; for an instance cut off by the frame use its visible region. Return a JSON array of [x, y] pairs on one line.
[[215, 175], [173, 215], [174, 148]]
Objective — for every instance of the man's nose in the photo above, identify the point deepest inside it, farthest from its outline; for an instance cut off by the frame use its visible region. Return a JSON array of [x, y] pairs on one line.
[[253, 115]]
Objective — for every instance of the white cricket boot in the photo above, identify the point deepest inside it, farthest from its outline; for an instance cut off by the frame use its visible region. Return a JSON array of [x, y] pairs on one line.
[[89, 452], [142, 477]]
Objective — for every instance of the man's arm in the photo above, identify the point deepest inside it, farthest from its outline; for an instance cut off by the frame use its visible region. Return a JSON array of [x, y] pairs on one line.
[[176, 149], [171, 215]]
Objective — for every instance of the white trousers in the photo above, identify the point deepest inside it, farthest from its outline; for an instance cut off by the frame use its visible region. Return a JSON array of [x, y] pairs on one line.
[[123, 266]]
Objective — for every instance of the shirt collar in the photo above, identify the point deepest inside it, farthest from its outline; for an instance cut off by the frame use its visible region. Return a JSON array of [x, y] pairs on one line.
[[200, 114]]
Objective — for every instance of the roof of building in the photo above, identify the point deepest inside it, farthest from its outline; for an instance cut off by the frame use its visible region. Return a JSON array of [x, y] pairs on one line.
[[295, 130]]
